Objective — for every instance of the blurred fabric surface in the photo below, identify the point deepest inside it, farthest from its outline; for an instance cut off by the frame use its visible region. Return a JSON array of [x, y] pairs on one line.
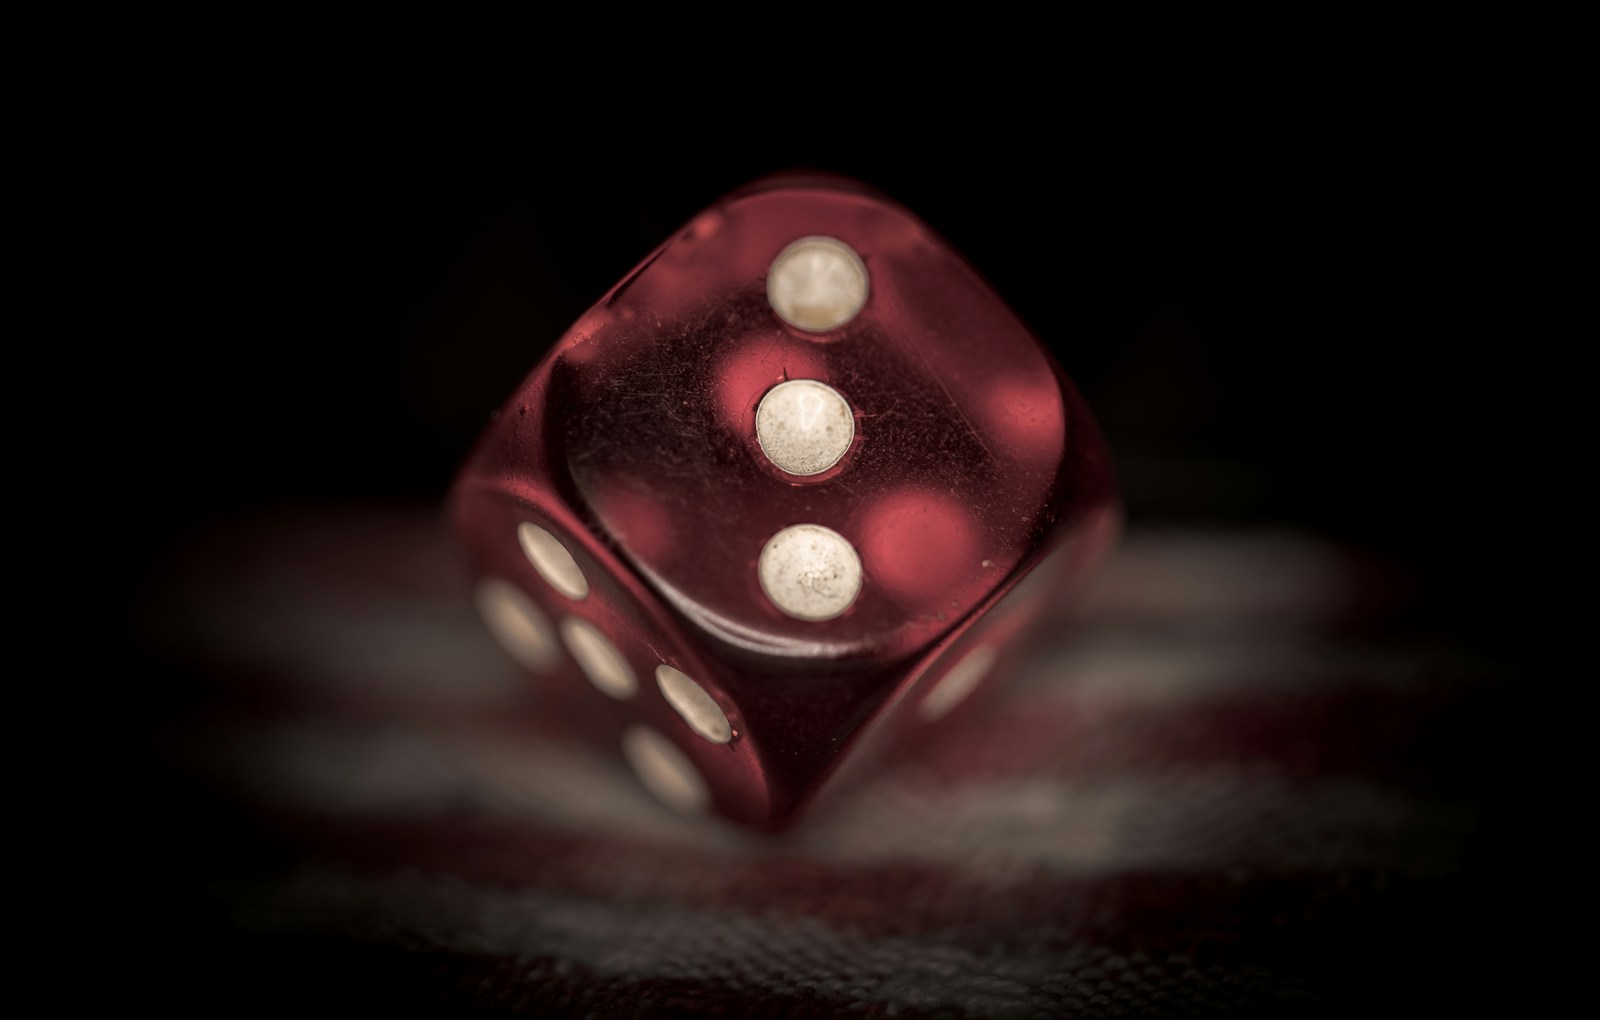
[[1238, 776]]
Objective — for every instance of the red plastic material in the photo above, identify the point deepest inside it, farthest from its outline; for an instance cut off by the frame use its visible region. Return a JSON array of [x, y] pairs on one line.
[[633, 442]]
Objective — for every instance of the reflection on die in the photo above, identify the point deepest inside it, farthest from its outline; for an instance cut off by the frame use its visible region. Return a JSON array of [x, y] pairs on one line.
[[764, 504]]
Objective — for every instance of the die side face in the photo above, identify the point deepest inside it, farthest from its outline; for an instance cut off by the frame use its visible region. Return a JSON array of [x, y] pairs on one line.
[[792, 458], [606, 656]]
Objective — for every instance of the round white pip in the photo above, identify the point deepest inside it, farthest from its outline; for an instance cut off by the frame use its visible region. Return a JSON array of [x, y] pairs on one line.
[[952, 688], [810, 572], [817, 284], [551, 559], [691, 701], [605, 667], [665, 771], [521, 628], [804, 426]]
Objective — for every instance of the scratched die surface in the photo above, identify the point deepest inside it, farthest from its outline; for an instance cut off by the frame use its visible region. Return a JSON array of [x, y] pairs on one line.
[[770, 494]]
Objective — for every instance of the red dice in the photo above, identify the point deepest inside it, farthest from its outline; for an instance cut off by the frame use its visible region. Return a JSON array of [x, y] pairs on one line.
[[775, 493]]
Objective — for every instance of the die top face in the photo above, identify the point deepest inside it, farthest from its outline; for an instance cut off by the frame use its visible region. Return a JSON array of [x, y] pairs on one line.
[[810, 427]]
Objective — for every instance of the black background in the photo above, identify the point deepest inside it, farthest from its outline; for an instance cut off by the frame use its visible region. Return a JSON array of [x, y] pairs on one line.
[[1292, 313]]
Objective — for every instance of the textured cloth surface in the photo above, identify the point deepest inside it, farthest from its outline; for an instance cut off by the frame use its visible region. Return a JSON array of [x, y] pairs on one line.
[[1234, 777]]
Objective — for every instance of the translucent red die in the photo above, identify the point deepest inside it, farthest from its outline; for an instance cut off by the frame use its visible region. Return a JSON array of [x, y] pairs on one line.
[[768, 505]]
